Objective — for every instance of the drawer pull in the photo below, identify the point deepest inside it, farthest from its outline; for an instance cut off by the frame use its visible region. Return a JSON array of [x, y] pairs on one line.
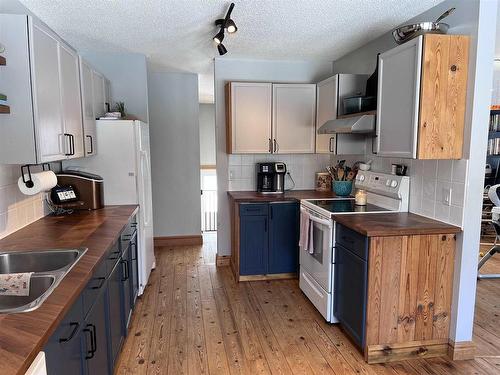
[[72, 334], [101, 282]]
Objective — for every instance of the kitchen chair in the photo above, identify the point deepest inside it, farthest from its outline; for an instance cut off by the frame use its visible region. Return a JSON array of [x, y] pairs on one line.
[[494, 195]]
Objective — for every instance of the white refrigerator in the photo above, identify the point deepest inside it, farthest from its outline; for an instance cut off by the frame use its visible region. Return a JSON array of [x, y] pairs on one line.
[[123, 160]]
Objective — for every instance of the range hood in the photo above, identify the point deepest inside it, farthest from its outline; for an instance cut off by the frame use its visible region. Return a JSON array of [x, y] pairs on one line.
[[356, 123]]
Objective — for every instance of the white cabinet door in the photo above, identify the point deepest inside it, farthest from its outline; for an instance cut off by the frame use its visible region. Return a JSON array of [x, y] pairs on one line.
[[294, 113], [71, 101], [89, 125], [326, 109], [398, 98], [99, 94], [250, 117], [49, 125]]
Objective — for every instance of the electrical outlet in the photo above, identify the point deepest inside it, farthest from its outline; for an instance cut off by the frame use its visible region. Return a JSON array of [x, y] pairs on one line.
[[446, 196]]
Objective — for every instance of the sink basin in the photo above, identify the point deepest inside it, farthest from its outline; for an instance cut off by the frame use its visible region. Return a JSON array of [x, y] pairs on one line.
[[48, 266], [37, 261], [39, 286]]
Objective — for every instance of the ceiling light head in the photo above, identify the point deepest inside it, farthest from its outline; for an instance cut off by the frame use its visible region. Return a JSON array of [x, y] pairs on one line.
[[231, 26], [219, 37], [222, 50]]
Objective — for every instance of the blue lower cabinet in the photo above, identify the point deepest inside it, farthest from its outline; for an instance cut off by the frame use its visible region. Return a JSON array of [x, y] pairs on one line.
[[283, 237], [114, 314], [269, 238], [351, 284], [254, 241], [96, 338], [63, 351]]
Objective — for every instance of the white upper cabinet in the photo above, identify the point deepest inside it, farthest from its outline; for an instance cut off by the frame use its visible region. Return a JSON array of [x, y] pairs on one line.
[[326, 109], [89, 124], [71, 100], [398, 100], [46, 79], [248, 117], [294, 114], [99, 94]]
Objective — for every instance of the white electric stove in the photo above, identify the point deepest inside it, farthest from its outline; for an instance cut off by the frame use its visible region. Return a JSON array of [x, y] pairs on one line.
[[386, 193]]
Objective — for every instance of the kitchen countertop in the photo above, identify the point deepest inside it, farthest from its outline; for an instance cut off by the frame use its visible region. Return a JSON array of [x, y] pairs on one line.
[[394, 224], [23, 335], [291, 195]]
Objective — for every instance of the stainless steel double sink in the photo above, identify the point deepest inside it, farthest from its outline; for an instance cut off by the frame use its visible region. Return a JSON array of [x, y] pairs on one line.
[[48, 266]]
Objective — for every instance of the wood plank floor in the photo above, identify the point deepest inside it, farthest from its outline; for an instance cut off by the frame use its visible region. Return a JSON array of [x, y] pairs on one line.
[[194, 319]]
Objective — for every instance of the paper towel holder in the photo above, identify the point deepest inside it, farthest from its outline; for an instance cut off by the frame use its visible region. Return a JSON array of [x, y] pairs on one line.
[[29, 182]]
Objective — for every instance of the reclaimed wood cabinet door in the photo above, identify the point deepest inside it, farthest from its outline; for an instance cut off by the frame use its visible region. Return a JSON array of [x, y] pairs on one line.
[[248, 117], [294, 118]]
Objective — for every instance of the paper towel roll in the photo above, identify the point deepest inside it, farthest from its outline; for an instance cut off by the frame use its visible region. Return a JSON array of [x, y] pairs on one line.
[[42, 181]]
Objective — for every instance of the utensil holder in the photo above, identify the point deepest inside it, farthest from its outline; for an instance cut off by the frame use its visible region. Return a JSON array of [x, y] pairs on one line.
[[342, 188]]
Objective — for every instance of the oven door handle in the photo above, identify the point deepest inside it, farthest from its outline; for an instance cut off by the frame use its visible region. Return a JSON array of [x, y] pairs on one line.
[[328, 223]]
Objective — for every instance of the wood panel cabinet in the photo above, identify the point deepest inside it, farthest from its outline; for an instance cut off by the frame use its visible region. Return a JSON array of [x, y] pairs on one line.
[[294, 115], [421, 98], [266, 118]]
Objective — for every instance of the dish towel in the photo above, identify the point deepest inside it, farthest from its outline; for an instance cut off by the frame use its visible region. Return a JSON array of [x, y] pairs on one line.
[[310, 246], [15, 284], [305, 223]]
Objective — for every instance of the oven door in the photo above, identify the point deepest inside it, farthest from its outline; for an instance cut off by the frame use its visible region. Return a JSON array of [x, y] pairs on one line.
[[319, 264]]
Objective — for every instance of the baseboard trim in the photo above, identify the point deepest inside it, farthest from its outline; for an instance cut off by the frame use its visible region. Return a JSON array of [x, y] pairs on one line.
[[222, 260], [191, 240], [460, 351]]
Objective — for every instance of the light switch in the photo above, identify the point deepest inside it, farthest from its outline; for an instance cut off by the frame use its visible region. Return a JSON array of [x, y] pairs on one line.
[[446, 196]]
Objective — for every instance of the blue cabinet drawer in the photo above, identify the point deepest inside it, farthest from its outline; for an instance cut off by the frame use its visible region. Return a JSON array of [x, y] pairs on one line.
[[252, 209], [94, 287], [352, 240]]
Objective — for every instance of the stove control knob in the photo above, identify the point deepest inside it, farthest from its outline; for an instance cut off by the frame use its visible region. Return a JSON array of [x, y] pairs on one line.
[[361, 178], [388, 183], [394, 183]]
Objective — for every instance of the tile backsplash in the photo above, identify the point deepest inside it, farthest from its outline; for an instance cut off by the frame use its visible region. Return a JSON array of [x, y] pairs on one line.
[[302, 168], [16, 209], [428, 178]]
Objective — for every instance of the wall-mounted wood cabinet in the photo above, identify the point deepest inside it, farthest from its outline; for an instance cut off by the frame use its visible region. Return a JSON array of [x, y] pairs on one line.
[[421, 98], [264, 118]]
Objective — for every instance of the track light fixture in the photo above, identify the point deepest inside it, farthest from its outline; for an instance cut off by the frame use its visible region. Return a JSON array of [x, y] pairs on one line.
[[225, 23]]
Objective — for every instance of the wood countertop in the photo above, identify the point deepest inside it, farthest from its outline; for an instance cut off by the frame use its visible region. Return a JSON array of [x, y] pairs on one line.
[[394, 224], [23, 335], [292, 195]]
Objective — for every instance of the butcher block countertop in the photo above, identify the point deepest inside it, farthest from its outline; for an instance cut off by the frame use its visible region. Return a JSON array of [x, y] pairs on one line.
[[292, 195], [394, 224], [23, 335]]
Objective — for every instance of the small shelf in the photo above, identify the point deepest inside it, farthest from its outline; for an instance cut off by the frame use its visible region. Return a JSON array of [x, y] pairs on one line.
[[4, 108], [359, 114], [3, 61]]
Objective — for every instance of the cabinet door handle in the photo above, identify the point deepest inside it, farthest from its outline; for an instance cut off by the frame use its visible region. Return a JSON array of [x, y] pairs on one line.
[[72, 138], [93, 346], [75, 326], [101, 282], [134, 252], [91, 144], [330, 146], [125, 270], [66, 137], [276, 146]]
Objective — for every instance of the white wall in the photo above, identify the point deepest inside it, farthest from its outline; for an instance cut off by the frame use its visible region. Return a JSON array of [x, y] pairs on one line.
[[251, 70], [207, 134], [477, 19], [127, 73], [175, 153]]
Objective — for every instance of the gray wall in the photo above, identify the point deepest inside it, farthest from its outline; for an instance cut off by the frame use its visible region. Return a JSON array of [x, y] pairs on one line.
[[175, 153], [128, 75], [249, 70], [207, 134], [478, 20]]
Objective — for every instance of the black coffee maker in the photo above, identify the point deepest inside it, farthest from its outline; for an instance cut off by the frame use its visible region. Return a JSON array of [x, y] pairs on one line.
[[271, 178]]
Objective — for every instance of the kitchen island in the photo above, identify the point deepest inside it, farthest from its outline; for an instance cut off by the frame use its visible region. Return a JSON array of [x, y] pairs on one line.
[[24, 335]]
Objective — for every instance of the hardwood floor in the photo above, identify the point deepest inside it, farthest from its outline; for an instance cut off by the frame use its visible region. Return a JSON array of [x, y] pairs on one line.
[[194, 319]]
